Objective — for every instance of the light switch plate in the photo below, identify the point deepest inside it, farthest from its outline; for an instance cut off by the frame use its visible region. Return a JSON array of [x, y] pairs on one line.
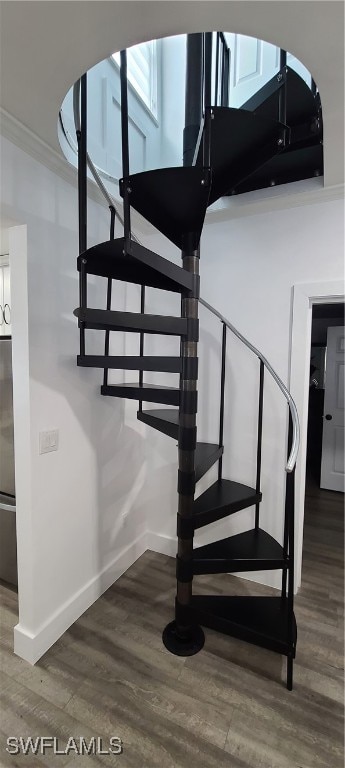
[[49, 441]]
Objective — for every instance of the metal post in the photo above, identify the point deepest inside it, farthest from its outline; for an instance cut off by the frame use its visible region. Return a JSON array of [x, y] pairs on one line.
[[282, 90], [217, 70], [109, 291], [193, 98], [290, 517], [291, 513], [182, 636], [225, 79], [125, 146], [222, 392], [259, 442], [286, 515], [207, 69], [82, 202], [141, 352]]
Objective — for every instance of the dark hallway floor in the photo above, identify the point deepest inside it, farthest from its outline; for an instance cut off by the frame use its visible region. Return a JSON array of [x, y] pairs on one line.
[[226, 707]]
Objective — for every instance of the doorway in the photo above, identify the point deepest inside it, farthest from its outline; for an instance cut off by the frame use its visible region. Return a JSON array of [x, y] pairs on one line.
[[305, 297], [8, 540], [326, 318]]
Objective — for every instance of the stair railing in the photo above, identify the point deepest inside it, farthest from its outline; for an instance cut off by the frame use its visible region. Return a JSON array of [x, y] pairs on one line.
[[291, 461], [293, 452]]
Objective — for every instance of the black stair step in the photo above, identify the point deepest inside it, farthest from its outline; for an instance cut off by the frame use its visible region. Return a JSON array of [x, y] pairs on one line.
[[127, 363], [294, 164], [166, 421], [174, 200], [133, 263], [249, 551], [223, 498], [301, 104], [206, 454], [110, 320], [151, 393], [241, 142], [263, 621]]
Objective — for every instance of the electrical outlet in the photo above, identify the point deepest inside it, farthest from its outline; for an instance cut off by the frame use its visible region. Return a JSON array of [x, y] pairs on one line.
[[49, 441]]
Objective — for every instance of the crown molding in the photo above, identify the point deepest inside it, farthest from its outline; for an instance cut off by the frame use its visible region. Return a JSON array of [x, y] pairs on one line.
[[308, 192], [23, 138]]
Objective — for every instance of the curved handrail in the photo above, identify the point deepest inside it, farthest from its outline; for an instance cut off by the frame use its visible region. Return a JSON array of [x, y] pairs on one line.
[[290, 465], [291, 462]]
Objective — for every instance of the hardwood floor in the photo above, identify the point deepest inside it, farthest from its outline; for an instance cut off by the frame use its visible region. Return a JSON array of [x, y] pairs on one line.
[[110, 675]]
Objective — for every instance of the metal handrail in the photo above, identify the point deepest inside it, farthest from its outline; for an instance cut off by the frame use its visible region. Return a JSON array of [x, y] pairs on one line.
[[291, 462], [290, 465]]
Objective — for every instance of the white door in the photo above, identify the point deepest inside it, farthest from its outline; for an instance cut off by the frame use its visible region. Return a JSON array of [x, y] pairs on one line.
[[253, 63], [332, 461]]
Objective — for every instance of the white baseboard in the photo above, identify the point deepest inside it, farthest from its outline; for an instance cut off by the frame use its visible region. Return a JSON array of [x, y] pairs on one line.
[[31, 647], [159, 542]]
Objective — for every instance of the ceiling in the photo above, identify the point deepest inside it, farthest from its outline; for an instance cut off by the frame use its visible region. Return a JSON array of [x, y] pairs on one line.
[[46, 46]]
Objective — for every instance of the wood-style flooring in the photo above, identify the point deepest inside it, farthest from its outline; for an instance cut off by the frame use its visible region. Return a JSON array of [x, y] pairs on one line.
[[110, 675]]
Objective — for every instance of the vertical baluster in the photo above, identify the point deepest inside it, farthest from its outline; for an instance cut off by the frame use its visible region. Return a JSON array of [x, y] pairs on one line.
[[223, 75], [82, 202], [225, 99], [208, 69], [222, 392], [109, 292], [217, 70], [286, 515], [290, 518], [259, 442], [282, 90], [125, 147], [141, 352]]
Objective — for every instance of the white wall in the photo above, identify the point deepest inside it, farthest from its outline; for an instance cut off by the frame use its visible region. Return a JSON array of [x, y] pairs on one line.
[[79, 522]]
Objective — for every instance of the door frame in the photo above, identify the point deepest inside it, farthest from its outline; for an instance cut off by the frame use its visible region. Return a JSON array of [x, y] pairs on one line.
[[305, 295]]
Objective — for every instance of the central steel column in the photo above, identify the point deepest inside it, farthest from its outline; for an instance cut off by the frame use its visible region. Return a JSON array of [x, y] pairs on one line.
[[183, 636]]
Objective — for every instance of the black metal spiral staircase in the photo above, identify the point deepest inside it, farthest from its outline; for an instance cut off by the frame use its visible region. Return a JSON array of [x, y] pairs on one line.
[[236, 150]]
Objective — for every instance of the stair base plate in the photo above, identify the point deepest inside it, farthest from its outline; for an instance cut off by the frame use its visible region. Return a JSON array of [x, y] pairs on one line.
[[183, 646]]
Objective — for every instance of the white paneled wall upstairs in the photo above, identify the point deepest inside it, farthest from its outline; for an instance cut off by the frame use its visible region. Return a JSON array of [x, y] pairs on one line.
[[253, 63], [156, 115]]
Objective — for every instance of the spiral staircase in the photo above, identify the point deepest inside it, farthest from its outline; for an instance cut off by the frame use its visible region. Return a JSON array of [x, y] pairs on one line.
[[276, 136]]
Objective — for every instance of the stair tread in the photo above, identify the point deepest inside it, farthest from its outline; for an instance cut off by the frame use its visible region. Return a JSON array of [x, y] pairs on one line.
[[133, 363], [261, 620], [254, 139], [164, 420], [108, 319], [144, 385], [206, 454], [133, 263], [300, 101], [225, 493], [250, 545], [167, 421], [293, 164], [174, 200], [154, 393]]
